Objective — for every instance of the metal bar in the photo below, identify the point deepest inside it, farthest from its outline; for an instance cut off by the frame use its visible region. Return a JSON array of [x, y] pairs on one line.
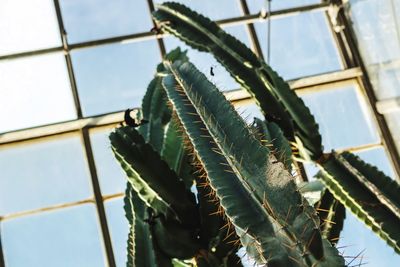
[[160, 41], [306, 83], [124, 39], [50, 208], [57, 207], [274, 14], [32, 53], [389, 105], [113, 196], [68, 60], [150, 36], [387, 138], [251, 31], [98, 198], [341, 43], [61, 127], [325, 78]]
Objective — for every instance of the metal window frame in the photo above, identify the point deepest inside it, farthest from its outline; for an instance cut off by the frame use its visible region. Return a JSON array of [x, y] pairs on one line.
[[345, 44]]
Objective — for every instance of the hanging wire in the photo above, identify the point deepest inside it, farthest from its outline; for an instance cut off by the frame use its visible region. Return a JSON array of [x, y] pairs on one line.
[[267, 15]]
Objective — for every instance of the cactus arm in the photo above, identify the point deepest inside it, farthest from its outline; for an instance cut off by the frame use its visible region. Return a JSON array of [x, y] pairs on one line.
[[174, 153], [154, 105], [198, 37], [384, 188], [343, 175], [252, 204], [145, 110], [174, 239], [332, 214], [211, 221], [271, 92], [158, 117], [173, 148], [270, 133], [151, 177], [139, 239], [248, 213]]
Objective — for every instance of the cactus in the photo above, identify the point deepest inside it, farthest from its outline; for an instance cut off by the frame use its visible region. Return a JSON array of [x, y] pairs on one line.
[[237, 177], [246, 195], [280, 105]]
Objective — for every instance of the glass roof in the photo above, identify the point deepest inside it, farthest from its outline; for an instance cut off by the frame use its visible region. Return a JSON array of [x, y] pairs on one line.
[[376, 24]]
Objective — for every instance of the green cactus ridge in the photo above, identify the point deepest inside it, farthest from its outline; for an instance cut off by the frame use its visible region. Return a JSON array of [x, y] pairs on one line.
[[204, 112], [158, 186], [271, 133], [343, 175], [140, 240]]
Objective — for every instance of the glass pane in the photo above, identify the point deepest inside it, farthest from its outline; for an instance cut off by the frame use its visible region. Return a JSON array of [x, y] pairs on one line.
[[215, 10], [343, 117], [86, 20], [385, 79], [376, 25], [48, 172], [63, 238], [205, 61], [256, 5], [34, 91], [301, 45], [111, 176], [27, 25], [356, 238], [119, 228], [114, 77]]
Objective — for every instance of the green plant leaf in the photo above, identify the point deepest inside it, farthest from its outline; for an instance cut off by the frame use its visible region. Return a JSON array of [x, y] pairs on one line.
[[246, 177]]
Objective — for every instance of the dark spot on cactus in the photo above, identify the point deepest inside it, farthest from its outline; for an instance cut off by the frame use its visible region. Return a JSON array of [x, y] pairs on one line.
[[130, 121]]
